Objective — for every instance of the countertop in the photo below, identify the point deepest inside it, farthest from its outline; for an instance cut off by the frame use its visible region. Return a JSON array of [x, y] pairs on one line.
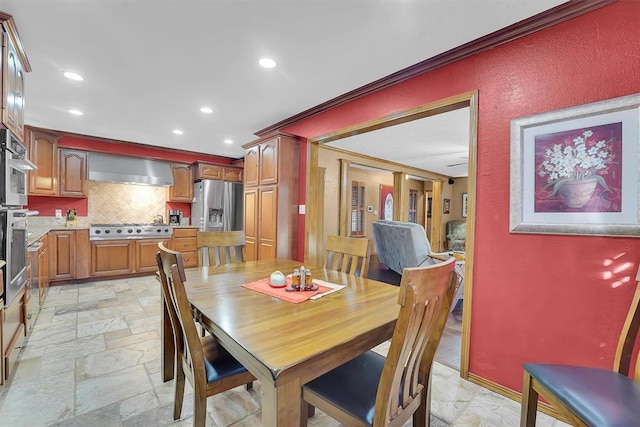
[[35, 233]]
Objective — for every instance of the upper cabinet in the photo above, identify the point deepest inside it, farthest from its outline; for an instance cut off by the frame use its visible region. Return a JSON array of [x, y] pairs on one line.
[[182, 188], [14, 66], [205, 170], [61, 172], [43, 152], [73, 173]]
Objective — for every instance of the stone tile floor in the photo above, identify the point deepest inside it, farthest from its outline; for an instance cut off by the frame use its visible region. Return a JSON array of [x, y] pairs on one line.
[[93, 359]]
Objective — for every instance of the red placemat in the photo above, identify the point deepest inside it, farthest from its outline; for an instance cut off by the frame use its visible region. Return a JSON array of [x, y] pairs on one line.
[[263, 286]]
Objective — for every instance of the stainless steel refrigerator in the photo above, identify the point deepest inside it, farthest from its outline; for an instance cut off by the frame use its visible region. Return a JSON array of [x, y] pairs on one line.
[[217, 205]]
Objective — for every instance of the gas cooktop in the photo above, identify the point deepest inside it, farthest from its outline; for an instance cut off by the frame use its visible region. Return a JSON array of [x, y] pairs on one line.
[[128, 231]]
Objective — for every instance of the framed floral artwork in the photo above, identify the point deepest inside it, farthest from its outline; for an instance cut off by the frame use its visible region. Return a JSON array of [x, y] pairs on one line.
[[575, 171]]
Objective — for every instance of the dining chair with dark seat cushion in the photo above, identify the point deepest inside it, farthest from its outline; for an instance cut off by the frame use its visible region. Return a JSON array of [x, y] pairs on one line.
[[209, 368], [347, 255], [372, 390], [221, 247], [588, 396]]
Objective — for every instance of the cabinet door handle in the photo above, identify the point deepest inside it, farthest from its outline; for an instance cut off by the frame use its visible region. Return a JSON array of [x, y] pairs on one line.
[[186, 245]]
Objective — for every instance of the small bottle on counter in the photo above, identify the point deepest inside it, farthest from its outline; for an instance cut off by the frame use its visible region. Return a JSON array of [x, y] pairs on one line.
[[295, 278], [308, 278], [303, 277]]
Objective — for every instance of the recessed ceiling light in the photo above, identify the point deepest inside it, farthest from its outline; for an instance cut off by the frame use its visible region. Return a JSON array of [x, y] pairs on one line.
[[267, 63], [73, 76], [228, 141], [76, 112], [178, 132], [206, 110]]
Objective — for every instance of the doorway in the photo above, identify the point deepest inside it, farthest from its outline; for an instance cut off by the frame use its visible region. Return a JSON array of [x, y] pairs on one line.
[[314, 217]]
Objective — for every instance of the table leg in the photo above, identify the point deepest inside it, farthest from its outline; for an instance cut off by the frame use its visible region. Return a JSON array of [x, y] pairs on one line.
[[167, 351], [281, 405]]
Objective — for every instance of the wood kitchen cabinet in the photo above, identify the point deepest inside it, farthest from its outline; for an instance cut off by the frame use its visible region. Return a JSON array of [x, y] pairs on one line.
[[271, 197], [61, 171], [43, 152], [13, 332], [73, 177], [43, 270], [204, 170], [62, 255], [112, 257], [182, 188], [145, 254], [14, 66], [184, 241]]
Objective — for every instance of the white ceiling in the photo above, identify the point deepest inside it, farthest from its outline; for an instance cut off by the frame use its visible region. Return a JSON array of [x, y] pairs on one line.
[[149, 65]]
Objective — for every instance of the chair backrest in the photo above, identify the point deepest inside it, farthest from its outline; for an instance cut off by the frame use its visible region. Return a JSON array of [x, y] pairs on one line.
[[347, 255], [425, 297], [172, 276], [222, 247], [629, 336], [401, 244]]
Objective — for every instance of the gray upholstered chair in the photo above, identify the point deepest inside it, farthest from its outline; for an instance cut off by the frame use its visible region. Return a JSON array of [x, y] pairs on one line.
[[456, 235], [400, 245]]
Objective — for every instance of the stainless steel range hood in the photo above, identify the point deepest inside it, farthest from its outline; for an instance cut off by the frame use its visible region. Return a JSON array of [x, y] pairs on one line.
[[129, 170]]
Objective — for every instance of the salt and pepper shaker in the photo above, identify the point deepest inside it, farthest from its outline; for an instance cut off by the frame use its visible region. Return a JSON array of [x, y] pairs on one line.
[[303, 278]]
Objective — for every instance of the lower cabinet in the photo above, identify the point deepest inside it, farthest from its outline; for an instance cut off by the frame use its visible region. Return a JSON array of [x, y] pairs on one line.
[[112, 257], [184, 241], [13, 332], [63, 254], [117, 257], [145, 253]]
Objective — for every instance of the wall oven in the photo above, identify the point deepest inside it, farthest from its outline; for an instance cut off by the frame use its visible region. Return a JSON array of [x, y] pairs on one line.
[[14, 251], [14, 166]]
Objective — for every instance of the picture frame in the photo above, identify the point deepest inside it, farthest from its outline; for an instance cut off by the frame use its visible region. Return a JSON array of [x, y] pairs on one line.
[[464, 205], [446, 206], [576, 170]]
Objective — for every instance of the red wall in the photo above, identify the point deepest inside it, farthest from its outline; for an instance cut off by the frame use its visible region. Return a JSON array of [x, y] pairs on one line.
[[47, 205], [558, 299]]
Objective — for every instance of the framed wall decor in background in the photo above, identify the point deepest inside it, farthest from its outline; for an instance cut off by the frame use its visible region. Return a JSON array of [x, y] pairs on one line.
[[446, 206], [464, 205], [575, 171]]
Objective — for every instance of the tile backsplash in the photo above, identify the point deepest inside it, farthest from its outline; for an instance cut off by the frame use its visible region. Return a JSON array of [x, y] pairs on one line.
[[111, 203]]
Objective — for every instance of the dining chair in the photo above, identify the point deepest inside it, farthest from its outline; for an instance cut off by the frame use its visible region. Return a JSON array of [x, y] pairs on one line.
[[347, 255], [372, 390], [222, 247], [588, 396], [208, 367]]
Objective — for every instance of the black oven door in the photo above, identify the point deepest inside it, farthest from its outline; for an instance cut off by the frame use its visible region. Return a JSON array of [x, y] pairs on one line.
[[14, 252]]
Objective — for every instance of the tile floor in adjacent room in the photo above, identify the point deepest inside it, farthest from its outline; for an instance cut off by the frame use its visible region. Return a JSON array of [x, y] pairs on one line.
[[93, 359]]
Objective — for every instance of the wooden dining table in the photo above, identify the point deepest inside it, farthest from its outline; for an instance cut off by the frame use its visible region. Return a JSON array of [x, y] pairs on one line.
[[285, 344]]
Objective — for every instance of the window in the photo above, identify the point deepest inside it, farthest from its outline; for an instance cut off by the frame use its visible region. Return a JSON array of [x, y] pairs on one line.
[[413, 206], [357, 208]]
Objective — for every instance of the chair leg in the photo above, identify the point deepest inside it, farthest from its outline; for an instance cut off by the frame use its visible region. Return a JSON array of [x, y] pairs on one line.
[[199, 408], [179, 391], [529, 402], [306, 411], [422, 415]]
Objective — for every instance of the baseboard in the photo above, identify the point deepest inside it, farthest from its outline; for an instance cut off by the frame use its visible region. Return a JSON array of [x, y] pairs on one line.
[[514, 395]]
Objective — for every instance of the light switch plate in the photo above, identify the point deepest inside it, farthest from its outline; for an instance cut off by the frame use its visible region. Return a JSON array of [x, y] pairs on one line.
[[302, 209], [58, 213]]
